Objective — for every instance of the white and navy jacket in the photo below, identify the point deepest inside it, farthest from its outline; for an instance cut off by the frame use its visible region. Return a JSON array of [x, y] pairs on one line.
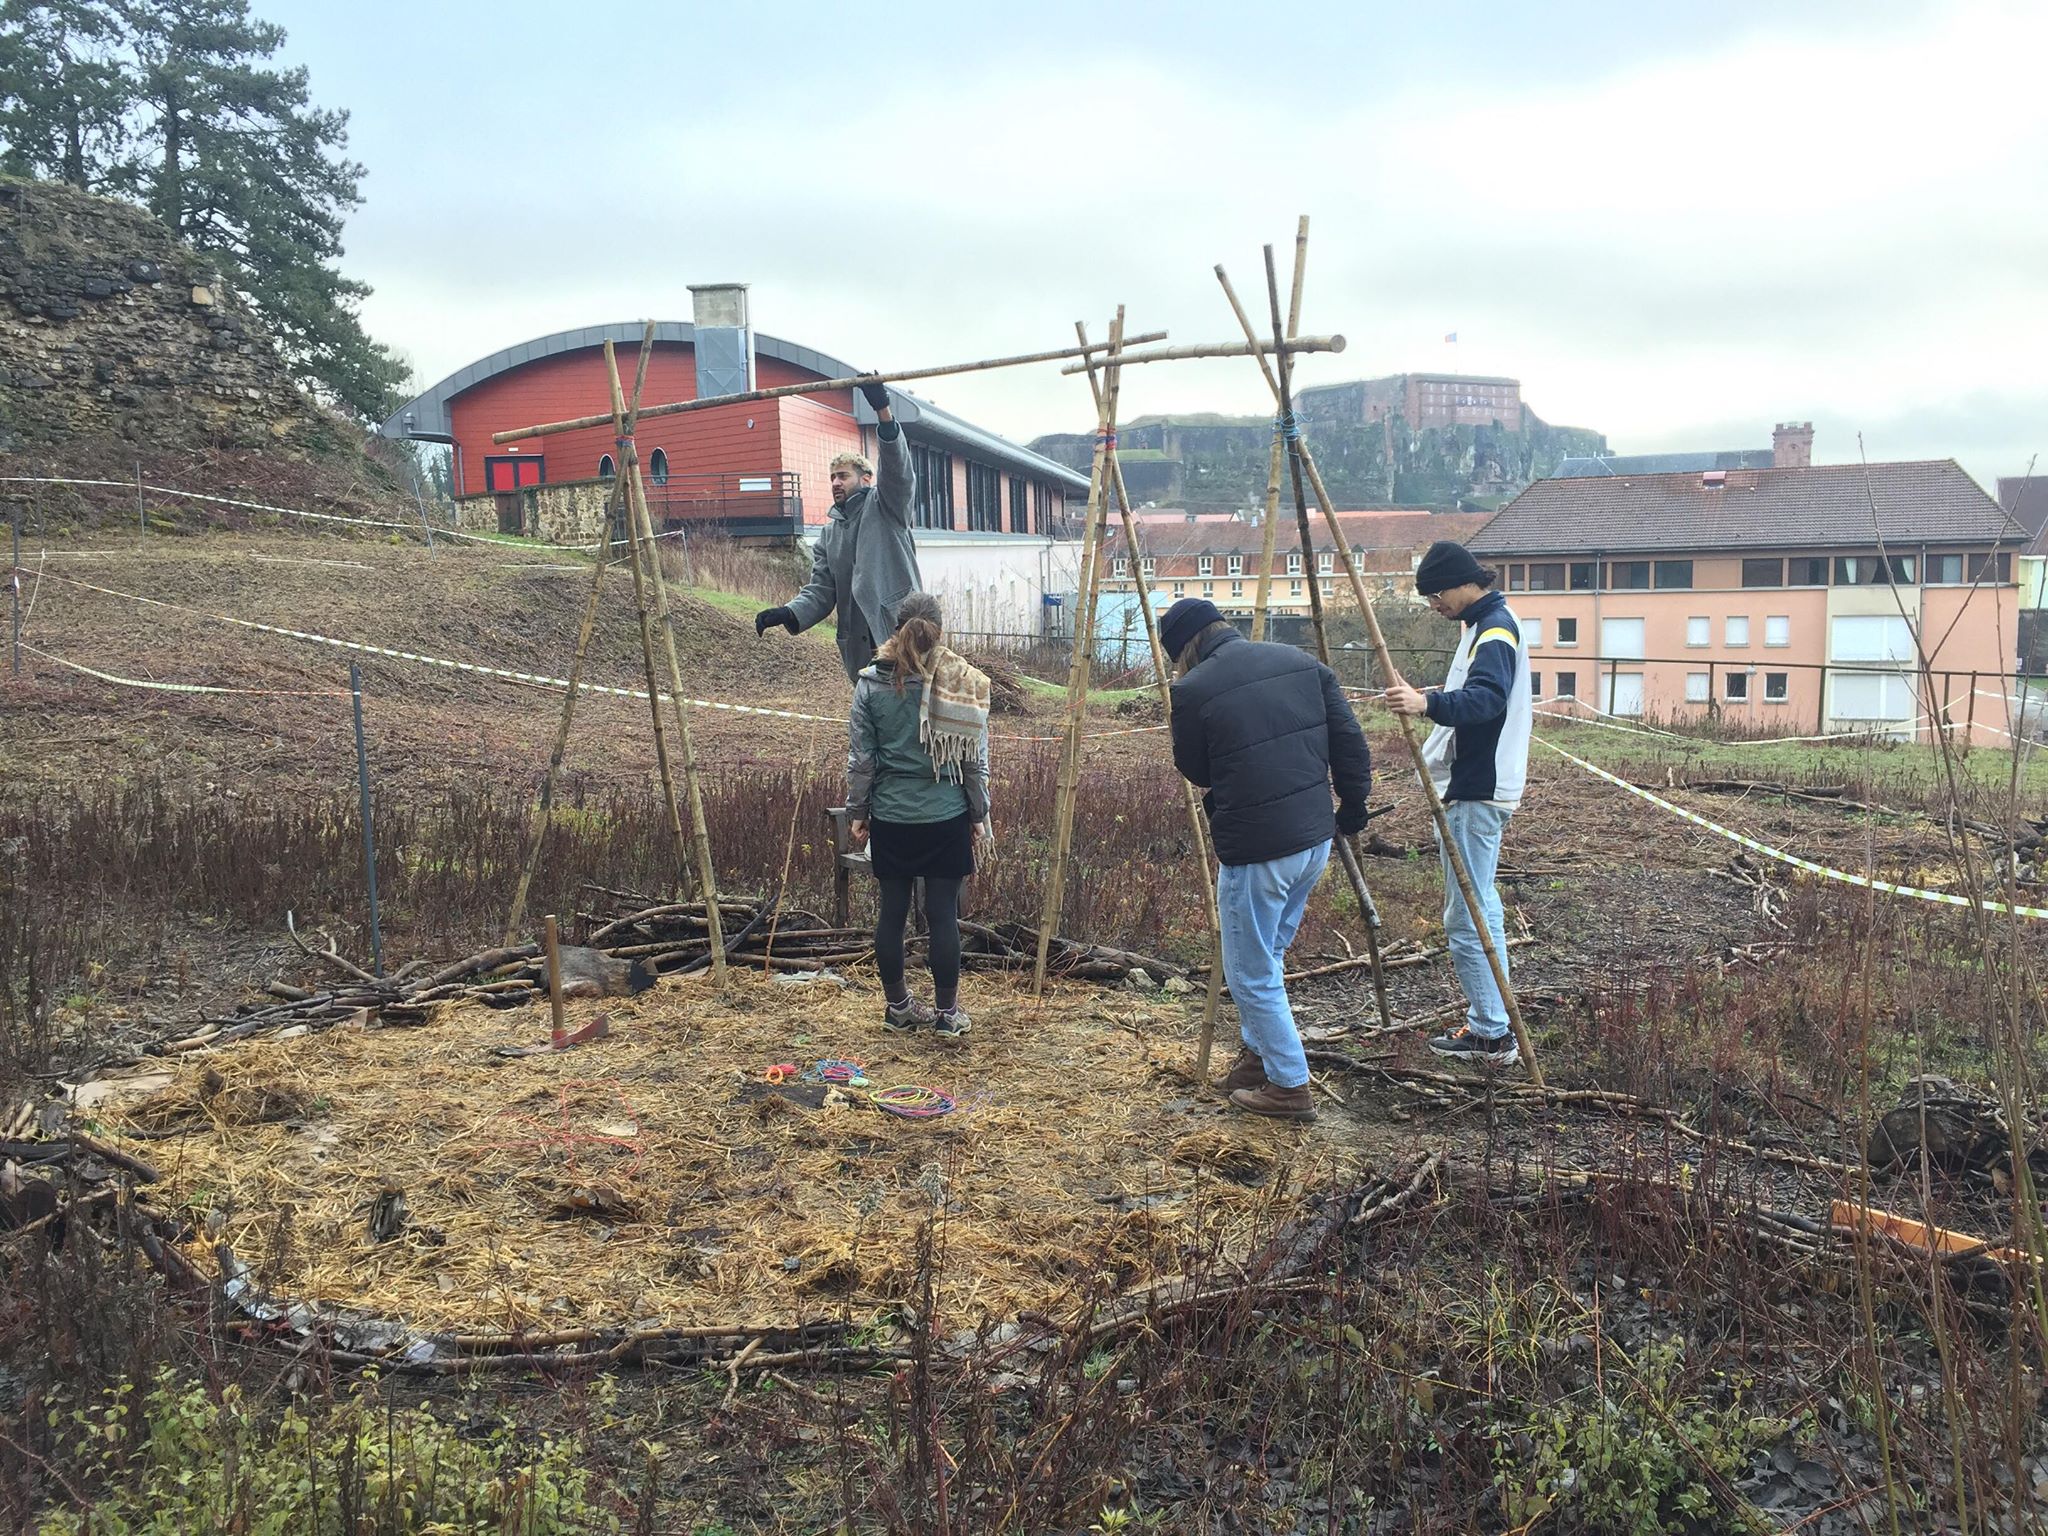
[[1480, 747]]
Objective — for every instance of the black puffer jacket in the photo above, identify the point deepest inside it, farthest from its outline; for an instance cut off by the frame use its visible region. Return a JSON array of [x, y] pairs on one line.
[[1266, 731]]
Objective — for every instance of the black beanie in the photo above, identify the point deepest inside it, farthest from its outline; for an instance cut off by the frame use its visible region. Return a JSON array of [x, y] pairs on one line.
[[1185, 620], [1448, 564]]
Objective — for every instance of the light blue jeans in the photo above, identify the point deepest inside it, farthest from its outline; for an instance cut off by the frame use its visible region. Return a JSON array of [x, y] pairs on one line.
[[1261, 907], [1476, 828]]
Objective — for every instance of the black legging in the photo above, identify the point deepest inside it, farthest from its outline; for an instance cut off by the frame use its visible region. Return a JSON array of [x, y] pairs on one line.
[[942, 913]]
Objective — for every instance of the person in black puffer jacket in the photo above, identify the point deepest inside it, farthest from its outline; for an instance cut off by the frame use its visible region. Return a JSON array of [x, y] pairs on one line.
[[1265, 730]]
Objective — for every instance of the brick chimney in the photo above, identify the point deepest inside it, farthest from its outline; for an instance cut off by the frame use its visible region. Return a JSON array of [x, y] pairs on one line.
[[1792, 445]]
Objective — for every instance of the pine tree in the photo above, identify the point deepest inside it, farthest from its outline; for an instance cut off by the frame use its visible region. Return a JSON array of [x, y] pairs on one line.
[[248, 170], [65, 89]]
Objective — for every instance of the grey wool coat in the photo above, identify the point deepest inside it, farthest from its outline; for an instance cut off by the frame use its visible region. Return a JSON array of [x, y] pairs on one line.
[[864, 562]]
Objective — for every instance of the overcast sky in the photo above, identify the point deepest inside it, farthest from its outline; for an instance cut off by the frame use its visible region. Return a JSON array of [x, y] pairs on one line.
[[1674, 223]]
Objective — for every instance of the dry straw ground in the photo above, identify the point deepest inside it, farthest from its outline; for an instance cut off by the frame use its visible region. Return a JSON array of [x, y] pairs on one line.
[[655, 1178]]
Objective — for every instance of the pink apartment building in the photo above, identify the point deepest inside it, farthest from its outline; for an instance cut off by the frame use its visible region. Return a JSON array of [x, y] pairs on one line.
[[1781, 601]]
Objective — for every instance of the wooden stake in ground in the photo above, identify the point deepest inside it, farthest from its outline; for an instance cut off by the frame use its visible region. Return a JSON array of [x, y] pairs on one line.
[[648, 552], [613, 503], [817, 386], [552, 936], [1452, 857], [1084, 643], [1162, 673]]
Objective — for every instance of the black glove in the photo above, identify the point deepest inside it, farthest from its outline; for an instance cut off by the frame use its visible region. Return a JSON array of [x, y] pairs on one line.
[[768, 616], [877, 396], [1351, 819]]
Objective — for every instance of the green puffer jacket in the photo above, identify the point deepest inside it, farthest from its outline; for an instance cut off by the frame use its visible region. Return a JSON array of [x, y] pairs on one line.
[[888, 772]]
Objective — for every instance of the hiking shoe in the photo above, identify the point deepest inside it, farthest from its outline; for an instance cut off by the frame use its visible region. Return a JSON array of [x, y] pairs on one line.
[[1248, 1071], [908, 1016], [1462, 1044], [1275, 1102], [951, 1023]]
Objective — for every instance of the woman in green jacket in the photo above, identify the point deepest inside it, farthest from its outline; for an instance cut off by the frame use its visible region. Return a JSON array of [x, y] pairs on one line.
[[917, 787]]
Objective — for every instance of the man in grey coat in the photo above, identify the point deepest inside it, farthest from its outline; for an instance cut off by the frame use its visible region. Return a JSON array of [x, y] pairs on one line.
[[864, 562]]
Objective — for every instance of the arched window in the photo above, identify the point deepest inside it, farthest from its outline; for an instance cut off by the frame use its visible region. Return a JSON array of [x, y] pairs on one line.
[[605, 468], [657, 466]]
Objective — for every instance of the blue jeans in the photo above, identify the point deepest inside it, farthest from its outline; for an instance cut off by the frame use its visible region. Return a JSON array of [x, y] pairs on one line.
[[1261, 907], [1476, 827]]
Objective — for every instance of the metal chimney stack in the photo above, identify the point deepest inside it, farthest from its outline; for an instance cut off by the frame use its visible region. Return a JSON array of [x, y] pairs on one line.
[[724, 339]]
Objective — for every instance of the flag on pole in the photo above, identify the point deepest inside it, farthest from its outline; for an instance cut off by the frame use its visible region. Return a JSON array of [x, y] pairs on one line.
[[1451, 336]]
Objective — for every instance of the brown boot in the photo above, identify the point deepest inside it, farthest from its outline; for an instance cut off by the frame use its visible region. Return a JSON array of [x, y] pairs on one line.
[[1248, 1071], [1275, 1102]]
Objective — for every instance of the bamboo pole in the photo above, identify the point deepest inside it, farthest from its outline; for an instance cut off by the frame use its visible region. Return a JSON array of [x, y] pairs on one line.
[[1385, 659], [645, 613], [646, 550], [1262, 599], [815, 387], [584, 631], [1270, 528], [1161, 664], [1084, 643], [1253, 348]]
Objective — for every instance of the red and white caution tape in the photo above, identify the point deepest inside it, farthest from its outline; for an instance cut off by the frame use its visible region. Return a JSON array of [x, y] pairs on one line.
[[143, 682], [1866, 882]]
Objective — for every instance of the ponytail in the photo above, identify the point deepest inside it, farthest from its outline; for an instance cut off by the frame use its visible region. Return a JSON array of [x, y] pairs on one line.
[[919, 629]]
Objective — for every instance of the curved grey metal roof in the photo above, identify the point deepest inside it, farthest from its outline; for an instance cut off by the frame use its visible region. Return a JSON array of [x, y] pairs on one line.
[[426, 417]]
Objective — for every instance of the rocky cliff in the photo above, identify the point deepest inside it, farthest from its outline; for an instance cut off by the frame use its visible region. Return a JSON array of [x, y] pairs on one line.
[[114, 334], [1219, 463]]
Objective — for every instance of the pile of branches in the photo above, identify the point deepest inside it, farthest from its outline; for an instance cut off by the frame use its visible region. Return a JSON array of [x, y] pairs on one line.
[[670, 937]]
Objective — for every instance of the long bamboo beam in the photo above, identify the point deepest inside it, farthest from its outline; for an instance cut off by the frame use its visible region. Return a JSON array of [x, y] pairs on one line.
[[1269, 529], [816, 387], [1253, 348], [1161, 670], [1385, 659], [1090, 584]]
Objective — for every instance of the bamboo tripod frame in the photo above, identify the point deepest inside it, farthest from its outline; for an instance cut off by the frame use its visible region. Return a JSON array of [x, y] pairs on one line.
[[1078, 673], [1197, 825], [646, 553], [613, 503], [1304, 463]]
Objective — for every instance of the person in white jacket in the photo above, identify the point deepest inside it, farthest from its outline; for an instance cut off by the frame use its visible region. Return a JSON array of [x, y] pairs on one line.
[[1478, 757]]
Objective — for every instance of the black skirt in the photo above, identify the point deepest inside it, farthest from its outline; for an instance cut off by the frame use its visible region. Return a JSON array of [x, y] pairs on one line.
[[933, 850]]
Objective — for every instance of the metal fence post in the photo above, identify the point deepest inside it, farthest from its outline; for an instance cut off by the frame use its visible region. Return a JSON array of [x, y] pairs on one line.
[[1820, 724], [355, 688], [1970, 738]]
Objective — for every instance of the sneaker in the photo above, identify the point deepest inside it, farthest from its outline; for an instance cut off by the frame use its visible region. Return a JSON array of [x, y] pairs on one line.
[[951, 1023], [1275, 1102], [1248, 1071], [908, 1016], [1463, 1044]]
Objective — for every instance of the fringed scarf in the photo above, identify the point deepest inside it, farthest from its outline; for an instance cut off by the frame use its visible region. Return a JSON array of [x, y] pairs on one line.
[[953, 715]]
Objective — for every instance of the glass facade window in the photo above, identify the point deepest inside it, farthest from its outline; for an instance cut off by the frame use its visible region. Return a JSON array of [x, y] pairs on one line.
[[1674, 573], [1763, 573], [1628, 575]]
